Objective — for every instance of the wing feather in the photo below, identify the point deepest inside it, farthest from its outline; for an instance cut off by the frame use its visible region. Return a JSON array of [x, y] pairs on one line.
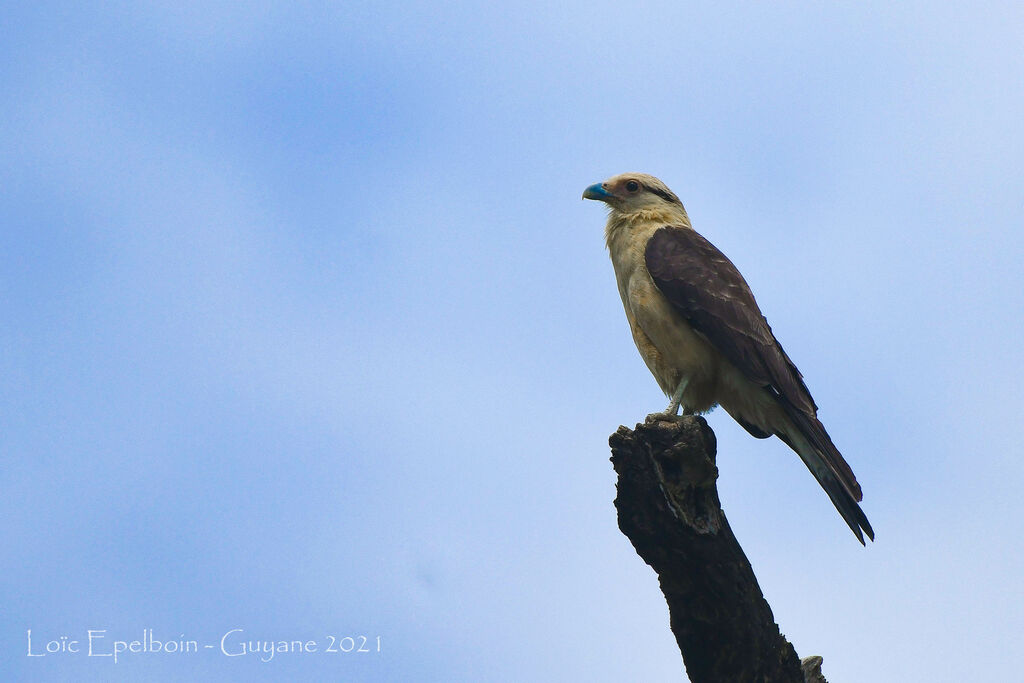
[[707, 289]]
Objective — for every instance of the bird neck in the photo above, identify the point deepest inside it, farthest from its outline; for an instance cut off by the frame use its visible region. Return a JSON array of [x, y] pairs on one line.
[[621, 224]]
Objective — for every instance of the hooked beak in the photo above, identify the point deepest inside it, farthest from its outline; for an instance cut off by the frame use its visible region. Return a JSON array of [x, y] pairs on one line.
[[597, 191]]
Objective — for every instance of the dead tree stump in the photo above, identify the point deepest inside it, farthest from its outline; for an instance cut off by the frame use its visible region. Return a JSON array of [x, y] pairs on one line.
[[669, 509]]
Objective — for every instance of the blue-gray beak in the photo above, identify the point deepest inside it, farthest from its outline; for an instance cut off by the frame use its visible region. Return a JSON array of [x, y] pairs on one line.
[[597, 191]]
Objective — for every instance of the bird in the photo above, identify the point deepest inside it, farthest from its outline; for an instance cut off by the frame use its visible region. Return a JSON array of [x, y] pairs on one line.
[[702, 335]]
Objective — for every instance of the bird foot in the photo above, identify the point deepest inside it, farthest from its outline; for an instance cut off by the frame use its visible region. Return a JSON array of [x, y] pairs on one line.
[[666, 416]]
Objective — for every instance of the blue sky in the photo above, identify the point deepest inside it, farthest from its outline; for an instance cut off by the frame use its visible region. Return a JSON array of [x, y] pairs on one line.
[[308, 333]]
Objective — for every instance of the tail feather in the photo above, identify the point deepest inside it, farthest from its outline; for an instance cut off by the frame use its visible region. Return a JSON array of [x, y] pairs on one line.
[[845, 504], [838, 489], [812, 429]]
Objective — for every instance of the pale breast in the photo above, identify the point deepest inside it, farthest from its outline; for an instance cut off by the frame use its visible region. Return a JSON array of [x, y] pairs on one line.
[[667, 343]]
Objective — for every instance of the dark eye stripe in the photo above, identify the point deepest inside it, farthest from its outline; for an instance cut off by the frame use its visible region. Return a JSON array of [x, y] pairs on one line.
[[667, 196]]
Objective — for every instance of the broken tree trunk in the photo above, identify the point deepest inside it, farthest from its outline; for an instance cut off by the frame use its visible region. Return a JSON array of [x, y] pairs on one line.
[[669, 509]]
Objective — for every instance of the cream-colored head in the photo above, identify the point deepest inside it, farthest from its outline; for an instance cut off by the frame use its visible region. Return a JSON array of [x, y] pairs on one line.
[[636, 193], [638, 204]]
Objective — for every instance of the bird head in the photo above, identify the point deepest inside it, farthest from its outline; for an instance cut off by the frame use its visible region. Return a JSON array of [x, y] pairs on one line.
[[631, 193]]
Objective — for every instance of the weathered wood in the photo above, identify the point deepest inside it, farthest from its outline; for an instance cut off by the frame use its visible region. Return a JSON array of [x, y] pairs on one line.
[[668, 507]]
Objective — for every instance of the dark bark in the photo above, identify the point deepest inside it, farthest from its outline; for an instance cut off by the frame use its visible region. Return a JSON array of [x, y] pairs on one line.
[[669, 509]]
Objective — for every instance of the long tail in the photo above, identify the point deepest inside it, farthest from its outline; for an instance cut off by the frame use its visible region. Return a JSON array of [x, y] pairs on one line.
[[812, 443]]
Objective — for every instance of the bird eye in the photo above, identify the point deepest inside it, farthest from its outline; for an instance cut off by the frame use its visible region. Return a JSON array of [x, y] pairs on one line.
[[632, 186]]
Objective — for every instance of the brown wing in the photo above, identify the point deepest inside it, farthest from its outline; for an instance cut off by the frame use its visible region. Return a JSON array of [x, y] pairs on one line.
[[707, 289]]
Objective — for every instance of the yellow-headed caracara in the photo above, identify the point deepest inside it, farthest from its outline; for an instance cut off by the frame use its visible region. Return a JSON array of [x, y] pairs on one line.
[[698, 328]]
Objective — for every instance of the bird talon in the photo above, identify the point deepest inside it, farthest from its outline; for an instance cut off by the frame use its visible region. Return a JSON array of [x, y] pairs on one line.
[[664, 416]]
